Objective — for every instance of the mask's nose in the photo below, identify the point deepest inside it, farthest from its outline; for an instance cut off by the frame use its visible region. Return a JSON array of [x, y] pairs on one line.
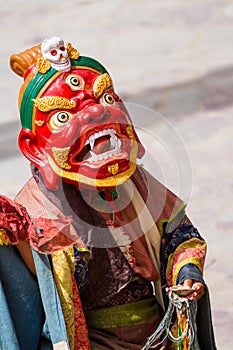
[[94, 113], [85, 98]]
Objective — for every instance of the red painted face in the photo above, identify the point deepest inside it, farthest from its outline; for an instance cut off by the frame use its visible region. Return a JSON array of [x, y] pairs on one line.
[[83, 133]]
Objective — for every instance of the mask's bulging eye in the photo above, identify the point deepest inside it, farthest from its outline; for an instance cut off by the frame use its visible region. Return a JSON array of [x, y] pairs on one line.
[[75, 82], [107, 99], [60, 119]]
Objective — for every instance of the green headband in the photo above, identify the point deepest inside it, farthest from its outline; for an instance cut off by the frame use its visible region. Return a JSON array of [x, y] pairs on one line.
[[39, 80]]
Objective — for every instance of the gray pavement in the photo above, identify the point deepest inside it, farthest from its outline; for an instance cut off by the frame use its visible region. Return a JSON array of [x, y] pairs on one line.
[[172, 57]]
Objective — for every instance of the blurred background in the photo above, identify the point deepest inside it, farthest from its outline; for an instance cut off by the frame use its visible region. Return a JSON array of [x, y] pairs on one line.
[[172, 63]]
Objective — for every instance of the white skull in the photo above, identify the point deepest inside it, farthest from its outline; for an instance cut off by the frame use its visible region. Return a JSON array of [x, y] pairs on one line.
[[53, 50]]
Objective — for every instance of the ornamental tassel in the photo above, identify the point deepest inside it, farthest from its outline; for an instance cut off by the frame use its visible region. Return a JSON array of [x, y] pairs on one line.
[[186, 310]]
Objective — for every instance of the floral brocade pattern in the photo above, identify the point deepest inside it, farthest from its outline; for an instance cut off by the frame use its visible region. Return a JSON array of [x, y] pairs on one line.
[[14, 221], [135, 291], [63, 263], [117, 273], [181, 234], [81, 273], [81, 341], [63, 269]]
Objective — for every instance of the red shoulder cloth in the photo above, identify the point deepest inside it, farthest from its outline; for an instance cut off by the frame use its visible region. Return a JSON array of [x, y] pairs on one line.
[[44, 235]]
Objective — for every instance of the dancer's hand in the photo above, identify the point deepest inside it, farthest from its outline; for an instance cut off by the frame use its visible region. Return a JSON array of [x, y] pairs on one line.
[[198, 286]]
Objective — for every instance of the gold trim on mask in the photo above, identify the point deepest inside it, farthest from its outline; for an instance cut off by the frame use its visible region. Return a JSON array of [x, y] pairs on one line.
[[129, 131], [102, 82], [61, 156], [39, 122], [72, 52], [48, 103], [42, 65], [113, 169], [111, 181]]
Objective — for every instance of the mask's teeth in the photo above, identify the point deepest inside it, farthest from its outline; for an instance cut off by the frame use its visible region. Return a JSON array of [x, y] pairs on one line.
[[113, 140], [94, 157], [92, 141], [111, 132], [99, 157], [118, 144], [115, 144]]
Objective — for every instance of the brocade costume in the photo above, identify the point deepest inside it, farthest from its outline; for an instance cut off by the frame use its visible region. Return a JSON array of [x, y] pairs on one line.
[[112, 285]]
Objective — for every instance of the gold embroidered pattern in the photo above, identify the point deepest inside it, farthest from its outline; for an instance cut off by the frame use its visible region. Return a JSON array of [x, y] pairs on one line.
[[72, 52], [129, 131], [102, 82], [48, 103], [43, 66], [39, 122], [61, 156], [3, 238], [113, 169], [63, 268]]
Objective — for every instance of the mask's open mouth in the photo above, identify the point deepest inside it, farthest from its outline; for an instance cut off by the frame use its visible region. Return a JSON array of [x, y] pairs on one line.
[[100, 146], [104, 159]]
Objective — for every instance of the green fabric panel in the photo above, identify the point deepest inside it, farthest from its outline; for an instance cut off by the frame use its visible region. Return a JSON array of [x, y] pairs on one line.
[[31, 92], [89, 62], [124, 315]]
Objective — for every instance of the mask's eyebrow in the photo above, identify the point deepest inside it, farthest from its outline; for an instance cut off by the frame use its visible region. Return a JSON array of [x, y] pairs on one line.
[[48, 103], [102, 82]]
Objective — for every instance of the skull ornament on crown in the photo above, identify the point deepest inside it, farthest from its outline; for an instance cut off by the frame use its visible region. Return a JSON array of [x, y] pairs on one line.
[[75, 128], [54, 50]]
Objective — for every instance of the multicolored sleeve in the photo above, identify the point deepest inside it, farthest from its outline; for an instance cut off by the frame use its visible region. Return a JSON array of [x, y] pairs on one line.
[[184, 253]]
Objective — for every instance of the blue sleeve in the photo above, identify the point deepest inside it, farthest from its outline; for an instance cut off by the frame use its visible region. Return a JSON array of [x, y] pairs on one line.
[[20, 297], [189, 271]]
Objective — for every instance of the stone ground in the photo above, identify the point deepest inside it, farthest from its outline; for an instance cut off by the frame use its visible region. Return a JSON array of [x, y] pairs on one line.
[[171, 61]]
